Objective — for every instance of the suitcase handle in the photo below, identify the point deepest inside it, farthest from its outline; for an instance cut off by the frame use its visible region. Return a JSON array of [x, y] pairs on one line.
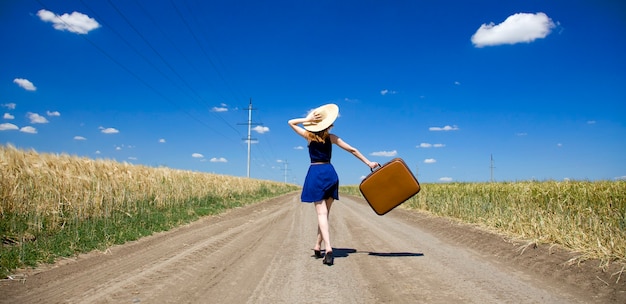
[[377, 167]]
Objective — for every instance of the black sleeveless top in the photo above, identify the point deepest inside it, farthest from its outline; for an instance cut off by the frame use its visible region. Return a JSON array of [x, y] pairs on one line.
[[321, 152]]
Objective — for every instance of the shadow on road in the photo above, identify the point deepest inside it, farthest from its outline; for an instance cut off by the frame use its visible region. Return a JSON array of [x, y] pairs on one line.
[[396, 254], [345, 252]]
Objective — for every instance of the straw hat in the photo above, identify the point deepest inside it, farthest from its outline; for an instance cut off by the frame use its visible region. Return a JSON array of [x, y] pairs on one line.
[[329, 113]]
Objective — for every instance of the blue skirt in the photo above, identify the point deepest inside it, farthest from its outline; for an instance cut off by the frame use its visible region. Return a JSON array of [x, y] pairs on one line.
[[321, 182]]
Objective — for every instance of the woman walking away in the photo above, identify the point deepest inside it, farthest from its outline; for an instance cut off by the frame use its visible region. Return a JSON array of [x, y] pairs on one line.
[[321, 185]]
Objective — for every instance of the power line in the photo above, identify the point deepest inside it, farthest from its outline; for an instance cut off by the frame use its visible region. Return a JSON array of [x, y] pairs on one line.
[[165, 61], [269, 141], [128, 70], [197, 40], [122, 65], [204, 35], [162, 32]]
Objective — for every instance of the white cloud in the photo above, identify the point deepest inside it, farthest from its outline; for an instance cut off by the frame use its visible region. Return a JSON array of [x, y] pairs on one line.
[[219, 109], [8, 116], [25, 84], [132, 158], [385, 92], [28, 129], [445, 179], [162, 140], [197, 155], [457, 83], [427, 145], [53, 113], [591, 122], [261, 129], [430, 161], [385, 153], [36, 118], [445, 128], [521, 134], [559, 145], [8, 126], [75, 22], [79, 138], [109, 130], [218, 160], [10, 106], [253, 141], [623, 177], [521, 27], [299, 148]]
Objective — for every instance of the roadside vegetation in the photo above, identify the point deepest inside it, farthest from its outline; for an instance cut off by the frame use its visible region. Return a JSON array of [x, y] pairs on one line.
[[55, 206], [588, 217]]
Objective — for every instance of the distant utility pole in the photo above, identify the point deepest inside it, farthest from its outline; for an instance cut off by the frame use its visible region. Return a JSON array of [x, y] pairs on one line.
[[491, 168], [249, 139], [285, 169]]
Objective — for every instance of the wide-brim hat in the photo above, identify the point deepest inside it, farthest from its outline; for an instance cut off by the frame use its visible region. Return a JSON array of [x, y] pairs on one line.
[[329, 113]]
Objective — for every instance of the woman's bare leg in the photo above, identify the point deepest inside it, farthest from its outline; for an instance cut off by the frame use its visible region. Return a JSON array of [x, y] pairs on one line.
[[323, 228], [318, 243]]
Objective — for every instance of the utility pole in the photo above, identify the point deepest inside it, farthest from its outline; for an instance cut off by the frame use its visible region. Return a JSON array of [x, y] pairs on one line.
[[285, 169], [417, 172], [491, 168], [249, 139]]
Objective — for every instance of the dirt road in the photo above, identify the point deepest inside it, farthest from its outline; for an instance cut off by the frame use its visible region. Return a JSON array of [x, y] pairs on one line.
[[262, 254]]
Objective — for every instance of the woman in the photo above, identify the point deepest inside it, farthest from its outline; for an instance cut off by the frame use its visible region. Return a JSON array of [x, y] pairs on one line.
[[321, 185]]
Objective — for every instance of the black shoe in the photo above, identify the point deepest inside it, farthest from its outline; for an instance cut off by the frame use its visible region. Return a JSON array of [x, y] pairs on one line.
[[318, 254], [329, 259]]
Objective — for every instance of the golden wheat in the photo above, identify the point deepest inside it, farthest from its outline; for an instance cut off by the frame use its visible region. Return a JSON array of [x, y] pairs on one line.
[[589, 217], [53, 187], [585, 216]]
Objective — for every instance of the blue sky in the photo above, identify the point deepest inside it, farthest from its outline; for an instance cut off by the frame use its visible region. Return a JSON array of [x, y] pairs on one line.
[[444, 85]]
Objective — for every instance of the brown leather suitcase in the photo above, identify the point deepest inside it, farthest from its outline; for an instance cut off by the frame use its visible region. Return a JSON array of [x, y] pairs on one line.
[[389, 186]]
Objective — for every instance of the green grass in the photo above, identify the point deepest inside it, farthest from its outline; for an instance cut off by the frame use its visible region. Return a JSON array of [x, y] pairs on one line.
[[55, 206], [28, 247]]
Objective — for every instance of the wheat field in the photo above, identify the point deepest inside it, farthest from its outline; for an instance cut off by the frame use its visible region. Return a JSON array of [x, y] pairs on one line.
[[55, 187], [588, 217], [58, 205], [46, 194]]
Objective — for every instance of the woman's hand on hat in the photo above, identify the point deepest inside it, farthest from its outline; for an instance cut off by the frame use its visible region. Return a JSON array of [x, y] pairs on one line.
[[314, 117]]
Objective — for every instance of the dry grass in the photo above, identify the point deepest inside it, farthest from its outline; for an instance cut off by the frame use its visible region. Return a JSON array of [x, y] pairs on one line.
[[585, 216], [57, 187], [59, 205]]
